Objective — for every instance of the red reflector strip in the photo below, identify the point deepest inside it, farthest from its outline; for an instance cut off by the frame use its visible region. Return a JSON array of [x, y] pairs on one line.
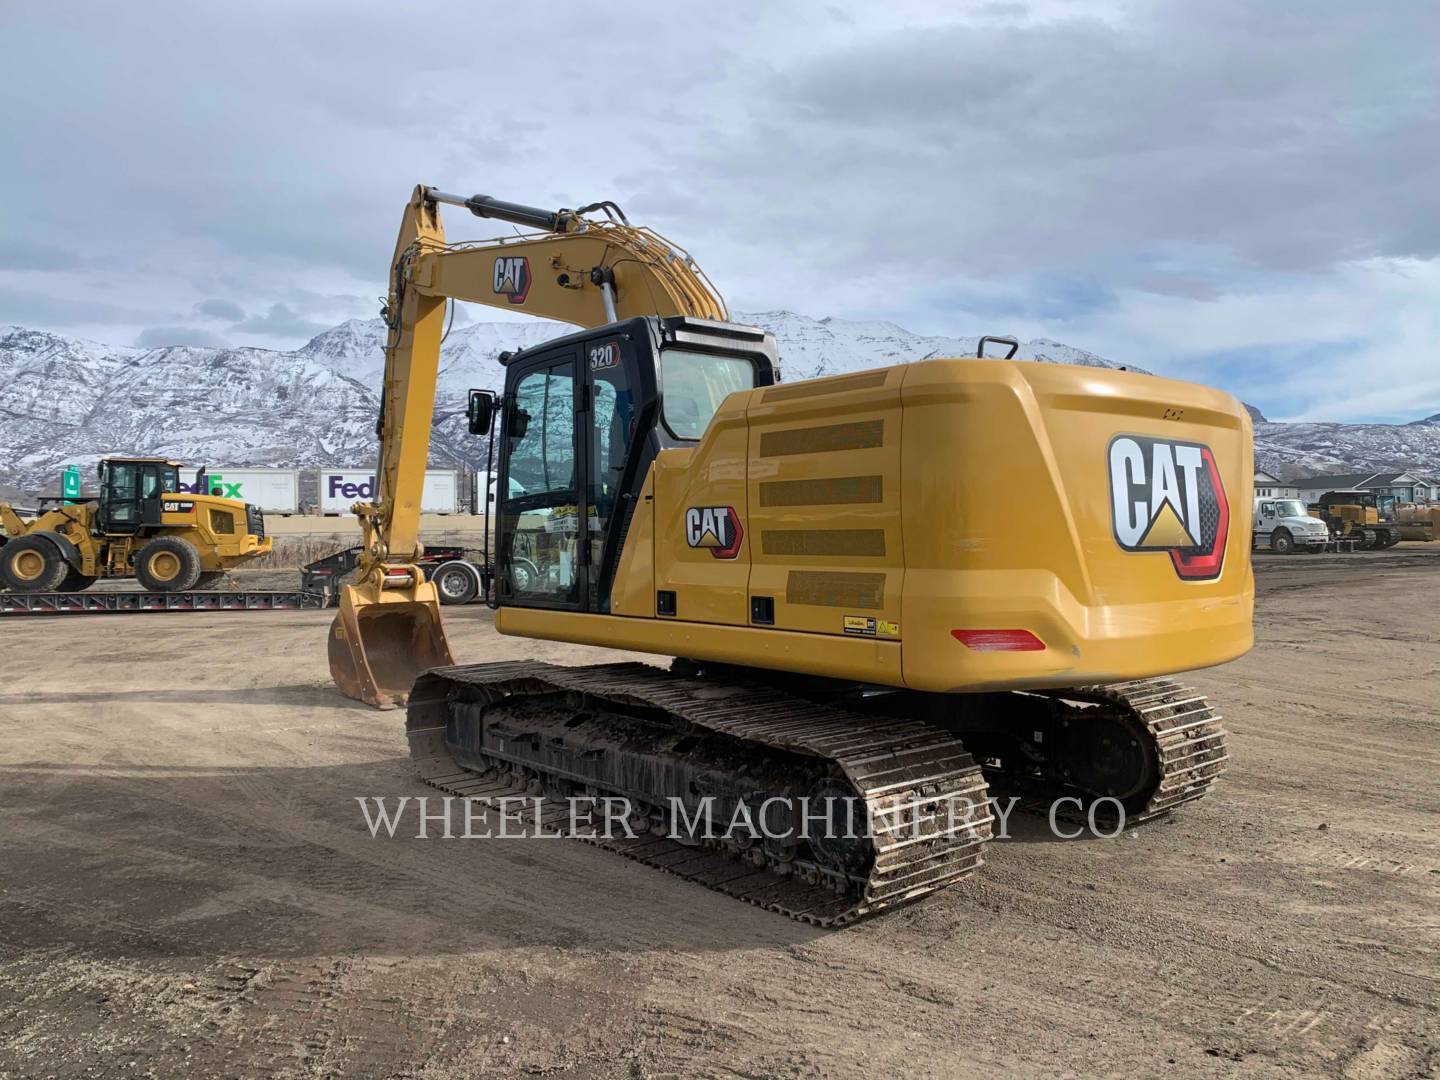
[[397, 573], [999, 640]]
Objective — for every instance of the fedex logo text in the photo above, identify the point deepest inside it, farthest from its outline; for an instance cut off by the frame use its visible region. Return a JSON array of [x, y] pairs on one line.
[[339, 487]]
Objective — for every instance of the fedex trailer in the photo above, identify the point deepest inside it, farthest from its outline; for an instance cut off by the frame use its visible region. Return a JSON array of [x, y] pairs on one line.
[[274, 491], [342, 488]]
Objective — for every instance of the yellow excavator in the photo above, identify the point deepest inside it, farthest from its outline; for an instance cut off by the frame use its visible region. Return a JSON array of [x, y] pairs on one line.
[[885, 592]]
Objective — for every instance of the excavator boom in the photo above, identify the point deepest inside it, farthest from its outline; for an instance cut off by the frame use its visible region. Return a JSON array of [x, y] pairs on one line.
[[574, 268]]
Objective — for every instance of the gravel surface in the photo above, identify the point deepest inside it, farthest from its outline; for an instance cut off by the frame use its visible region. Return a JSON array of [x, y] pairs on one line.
[[188, 888]]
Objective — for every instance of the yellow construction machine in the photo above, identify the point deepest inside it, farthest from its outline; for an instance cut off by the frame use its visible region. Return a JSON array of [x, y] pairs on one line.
[[1355, 515], [883, 589], [142, 526], [1413, 522]]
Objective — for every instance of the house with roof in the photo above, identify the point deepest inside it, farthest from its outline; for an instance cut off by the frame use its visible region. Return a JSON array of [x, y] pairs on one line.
[[1272, 487], [1405, 486]]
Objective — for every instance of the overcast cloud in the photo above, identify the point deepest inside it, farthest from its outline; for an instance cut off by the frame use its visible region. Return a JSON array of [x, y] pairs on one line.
[[1242, 193]]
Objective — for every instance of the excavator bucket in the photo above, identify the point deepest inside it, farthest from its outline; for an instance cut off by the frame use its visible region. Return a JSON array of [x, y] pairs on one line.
[[382, 640]]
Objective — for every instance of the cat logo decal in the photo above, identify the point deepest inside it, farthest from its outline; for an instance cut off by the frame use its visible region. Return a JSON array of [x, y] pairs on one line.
[[512, 277], [714, 527], [1167, 495]]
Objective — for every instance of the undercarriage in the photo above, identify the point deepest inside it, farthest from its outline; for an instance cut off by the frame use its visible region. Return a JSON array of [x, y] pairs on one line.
[[822, 800]]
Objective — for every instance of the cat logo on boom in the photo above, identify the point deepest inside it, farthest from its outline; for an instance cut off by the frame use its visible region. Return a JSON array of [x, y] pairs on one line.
[[512, 277], [714, 527], [1167, 496]]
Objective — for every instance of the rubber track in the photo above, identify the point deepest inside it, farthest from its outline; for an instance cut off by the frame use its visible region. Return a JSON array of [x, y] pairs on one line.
[[1188, 738], [901, 768]]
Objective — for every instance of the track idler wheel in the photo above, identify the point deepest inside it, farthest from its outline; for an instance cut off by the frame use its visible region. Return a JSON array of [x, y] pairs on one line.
[[1108, 755]]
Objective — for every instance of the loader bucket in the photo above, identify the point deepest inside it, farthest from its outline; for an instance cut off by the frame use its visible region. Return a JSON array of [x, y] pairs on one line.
[[381, 642]]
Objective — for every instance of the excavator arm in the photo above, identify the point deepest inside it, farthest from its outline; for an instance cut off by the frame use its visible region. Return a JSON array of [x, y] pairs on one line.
[[573, 268]]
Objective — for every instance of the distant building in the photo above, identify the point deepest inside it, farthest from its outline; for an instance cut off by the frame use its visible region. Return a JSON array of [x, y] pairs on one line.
[[1407, 487], [1272, 487]]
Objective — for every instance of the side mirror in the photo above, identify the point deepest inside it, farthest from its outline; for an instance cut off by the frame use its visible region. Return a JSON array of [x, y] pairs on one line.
[[481, 411]]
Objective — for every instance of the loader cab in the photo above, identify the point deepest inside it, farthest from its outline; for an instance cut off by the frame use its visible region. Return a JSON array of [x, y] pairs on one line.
[[130, 490], [581, 420]]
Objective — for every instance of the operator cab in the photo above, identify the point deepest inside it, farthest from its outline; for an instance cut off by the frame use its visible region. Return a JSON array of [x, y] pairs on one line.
[[581, 420], [1347, 498], [130, 490]]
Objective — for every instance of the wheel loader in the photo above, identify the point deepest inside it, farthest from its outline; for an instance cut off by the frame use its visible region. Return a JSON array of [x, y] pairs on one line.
[[883, 592], [141, 526]]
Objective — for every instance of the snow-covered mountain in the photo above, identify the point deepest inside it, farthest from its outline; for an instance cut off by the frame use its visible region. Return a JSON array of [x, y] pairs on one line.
[[1290, 451], [808, 347], [65, 400]]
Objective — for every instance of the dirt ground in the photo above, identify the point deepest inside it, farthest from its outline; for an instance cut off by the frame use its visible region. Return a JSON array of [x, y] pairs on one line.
[[187, 887]]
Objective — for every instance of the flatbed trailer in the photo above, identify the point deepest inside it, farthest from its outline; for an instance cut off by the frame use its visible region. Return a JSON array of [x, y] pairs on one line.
[[319, 588], [89, 603]]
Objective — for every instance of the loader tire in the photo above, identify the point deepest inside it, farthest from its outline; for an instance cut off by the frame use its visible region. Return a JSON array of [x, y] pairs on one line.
[[75, 581], [167, 564], [32, 564]]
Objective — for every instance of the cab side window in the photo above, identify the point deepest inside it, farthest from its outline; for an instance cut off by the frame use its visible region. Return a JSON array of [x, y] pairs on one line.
[[123, 489], [694, 385], [541, 512]]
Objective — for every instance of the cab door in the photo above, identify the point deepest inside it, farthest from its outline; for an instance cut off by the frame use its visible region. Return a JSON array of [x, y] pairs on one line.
[[120, 503], [540, 523], [152, 476]]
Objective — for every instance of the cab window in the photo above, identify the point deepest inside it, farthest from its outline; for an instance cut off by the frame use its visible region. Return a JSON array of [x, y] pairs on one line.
[[1267, 509], [694, 384]]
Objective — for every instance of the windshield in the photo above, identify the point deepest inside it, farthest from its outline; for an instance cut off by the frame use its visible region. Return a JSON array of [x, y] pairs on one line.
[[1289, 508], [694, 384]]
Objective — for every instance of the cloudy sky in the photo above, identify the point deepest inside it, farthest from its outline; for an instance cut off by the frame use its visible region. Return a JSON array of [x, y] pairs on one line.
[[1243, 192]]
